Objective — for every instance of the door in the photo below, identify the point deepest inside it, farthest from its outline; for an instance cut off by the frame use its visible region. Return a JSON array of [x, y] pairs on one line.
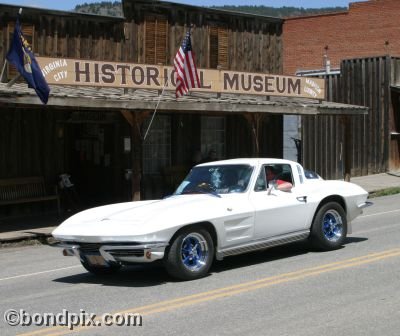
[[278, 212], [90, 150], [394, 128]]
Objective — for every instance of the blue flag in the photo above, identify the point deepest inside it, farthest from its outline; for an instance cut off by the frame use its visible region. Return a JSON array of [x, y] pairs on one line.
[[20, 55]]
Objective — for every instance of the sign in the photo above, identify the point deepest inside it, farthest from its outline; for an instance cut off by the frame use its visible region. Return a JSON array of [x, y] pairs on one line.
[[64, 71]]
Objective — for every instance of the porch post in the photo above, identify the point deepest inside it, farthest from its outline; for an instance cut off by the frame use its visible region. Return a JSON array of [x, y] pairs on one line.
[[255, 120], [347, 148], [135, 120]]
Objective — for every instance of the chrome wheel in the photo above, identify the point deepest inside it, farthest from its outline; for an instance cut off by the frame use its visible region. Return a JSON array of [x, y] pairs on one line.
[[332, 225], [194, 252], [190, 253], [329, 227]]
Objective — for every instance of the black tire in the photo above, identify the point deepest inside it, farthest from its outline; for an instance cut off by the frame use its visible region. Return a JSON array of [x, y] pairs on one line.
[[100, 270], [190, 254], [329, 227]]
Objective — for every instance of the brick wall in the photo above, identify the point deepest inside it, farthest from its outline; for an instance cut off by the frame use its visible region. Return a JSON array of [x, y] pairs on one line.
[[368, 28]]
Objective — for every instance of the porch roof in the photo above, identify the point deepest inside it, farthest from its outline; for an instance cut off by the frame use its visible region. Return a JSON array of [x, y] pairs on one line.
[[117, 99]]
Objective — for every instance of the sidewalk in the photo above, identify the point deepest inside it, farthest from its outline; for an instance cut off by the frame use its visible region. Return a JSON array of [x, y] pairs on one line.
[[25, 228], [41, 227], [373, 183]]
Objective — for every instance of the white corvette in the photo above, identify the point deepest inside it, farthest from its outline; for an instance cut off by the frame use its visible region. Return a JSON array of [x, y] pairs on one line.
[[221, 209]]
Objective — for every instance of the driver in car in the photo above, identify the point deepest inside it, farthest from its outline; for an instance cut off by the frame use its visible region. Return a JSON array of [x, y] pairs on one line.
[[272, 175]]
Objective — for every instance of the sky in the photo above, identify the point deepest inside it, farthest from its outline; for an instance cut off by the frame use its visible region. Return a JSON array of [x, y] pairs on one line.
[[70, 4]]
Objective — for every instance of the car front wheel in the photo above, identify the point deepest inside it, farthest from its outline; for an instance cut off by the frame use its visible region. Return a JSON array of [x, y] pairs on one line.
[[329, 228], [190, 254]]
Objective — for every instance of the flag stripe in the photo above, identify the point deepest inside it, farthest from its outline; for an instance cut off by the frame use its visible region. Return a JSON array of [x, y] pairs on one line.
[[185, 68]]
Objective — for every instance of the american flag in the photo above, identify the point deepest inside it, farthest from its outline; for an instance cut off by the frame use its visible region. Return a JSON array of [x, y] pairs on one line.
[[185, 68]]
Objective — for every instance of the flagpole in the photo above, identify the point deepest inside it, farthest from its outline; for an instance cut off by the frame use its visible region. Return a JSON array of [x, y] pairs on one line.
[[168, 78], [14, 80], [3, 70], [155, 110]]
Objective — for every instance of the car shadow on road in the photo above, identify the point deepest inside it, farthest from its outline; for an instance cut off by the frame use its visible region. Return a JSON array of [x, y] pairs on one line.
[[263, 256], [352, 240], [155, 275], [129, 276], [273, 254]]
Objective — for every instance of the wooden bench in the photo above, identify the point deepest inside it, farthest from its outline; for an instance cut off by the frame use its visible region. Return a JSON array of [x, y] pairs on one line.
[[26, 190]]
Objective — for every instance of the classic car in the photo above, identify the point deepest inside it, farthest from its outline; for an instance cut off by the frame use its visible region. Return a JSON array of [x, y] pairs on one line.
[[221, 209]]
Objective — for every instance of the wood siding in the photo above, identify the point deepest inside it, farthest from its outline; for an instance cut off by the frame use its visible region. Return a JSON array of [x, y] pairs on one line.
[[362, 82], [28, 143], [229, 40], [72, 35], [153, 34]]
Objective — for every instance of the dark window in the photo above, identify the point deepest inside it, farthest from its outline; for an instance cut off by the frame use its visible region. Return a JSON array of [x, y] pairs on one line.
[[157, 148]]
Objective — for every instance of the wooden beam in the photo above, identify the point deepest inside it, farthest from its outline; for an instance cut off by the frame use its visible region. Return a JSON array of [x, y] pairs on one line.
[[255, 121], [135, 120], [192, 106], [128, 116], [347, 148]]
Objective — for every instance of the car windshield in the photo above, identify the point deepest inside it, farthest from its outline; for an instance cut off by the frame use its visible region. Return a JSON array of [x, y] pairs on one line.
[[216, 179]]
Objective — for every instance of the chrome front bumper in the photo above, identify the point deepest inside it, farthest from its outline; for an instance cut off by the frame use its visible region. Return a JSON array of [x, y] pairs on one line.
[[116, 253]]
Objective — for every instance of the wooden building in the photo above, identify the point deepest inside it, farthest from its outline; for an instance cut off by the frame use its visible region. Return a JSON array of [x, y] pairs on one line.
[[97, 133], [375, 138]]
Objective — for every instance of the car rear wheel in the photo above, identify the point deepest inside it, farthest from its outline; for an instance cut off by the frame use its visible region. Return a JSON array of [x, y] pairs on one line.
[[190, 254], [329, 228]]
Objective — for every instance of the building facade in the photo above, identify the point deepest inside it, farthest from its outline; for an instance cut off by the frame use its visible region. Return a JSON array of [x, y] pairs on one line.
[[367, 29], [355, 51], [92, 145], [106, 137]]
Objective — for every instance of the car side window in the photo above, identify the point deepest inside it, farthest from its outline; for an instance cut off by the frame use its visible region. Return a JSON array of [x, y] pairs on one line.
[[261, 184], [275, 174], [299, 171], [278, 173]]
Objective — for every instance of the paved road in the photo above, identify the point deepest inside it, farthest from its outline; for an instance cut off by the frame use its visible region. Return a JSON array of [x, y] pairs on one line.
[[289, 290]]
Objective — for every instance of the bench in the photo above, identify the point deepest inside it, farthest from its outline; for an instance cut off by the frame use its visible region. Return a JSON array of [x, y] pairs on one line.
[[26, 190]]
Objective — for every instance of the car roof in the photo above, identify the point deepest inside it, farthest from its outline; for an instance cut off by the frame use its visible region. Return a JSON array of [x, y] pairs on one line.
[[250, 161]]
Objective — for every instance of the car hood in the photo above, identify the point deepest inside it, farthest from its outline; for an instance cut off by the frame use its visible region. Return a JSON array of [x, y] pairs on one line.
[[141, 218]]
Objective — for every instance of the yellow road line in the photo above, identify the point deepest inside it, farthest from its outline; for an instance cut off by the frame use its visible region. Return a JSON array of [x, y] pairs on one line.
[[228, 291]]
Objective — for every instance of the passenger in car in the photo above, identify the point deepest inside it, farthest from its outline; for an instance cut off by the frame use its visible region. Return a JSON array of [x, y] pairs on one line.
[[273, 175]]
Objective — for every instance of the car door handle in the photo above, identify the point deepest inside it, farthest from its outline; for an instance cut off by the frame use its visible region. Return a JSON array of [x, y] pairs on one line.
[[302, 199]]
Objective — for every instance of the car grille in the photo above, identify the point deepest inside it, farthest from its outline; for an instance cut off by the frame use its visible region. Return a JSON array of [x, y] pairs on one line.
[[89, 247], [94, 248], [127, 253]]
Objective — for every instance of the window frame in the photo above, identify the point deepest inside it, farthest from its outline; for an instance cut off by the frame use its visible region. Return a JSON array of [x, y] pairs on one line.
[[160, 128], [212, 132]]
